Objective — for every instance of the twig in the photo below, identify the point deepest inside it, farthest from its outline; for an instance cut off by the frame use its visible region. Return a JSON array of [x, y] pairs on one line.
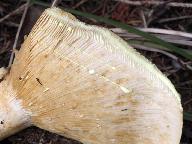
[[174, 19], [11, 24], [5, 47], [55, 3], [143, 18], [141, 47], [79, 3], [156, 12], [18, 32], [188, 101], [13, 13], [148, 2]]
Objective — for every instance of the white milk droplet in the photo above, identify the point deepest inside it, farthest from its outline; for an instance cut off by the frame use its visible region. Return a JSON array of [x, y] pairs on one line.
[[124, 89], [92, 71], [46, 90]]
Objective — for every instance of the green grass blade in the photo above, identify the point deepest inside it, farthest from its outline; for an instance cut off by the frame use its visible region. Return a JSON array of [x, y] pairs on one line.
[[187, 116], [38, 2]]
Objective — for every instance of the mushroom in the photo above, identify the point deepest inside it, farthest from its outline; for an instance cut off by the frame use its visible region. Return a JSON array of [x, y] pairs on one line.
[[86, 83]]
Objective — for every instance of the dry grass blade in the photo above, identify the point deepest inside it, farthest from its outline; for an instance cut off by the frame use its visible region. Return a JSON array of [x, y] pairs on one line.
[[79, 3], [55, 3], [147, 2], [174, 19], [165, 31], [158, 31], [18, 32]]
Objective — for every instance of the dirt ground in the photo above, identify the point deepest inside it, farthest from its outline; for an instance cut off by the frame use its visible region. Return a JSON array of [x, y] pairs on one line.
[[156, 17]]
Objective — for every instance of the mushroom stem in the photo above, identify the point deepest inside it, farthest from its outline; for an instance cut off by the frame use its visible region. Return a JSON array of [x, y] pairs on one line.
[[12, 117]]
